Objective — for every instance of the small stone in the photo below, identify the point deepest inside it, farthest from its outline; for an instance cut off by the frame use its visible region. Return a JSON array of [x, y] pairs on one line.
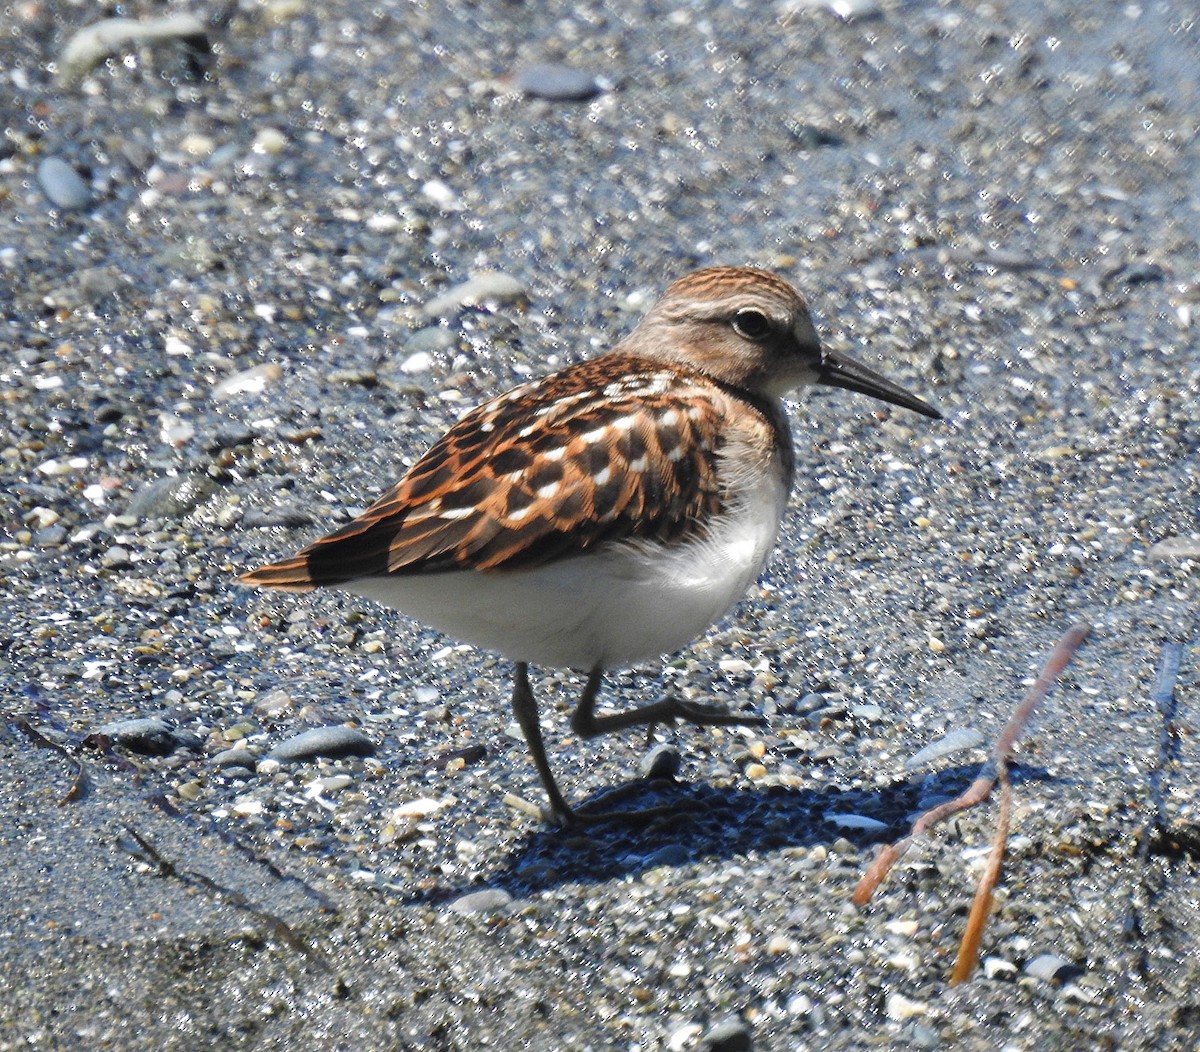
[[662, 761], [1051, 968], [800, 1004], [116, 558], [556, 83], [901, 1008], [859, 823], [233, 758], [420, 808], [273, 704], [170, 497], [668, 855], [51, 537], [487, 900], [999, 968], [247, 807], [269, 141], [809, 703], [867, 713], [487, 286], [957, 740], [684, 1038], [63, 186], [40, 518], [431, 341], [421, 362], [848, 10], [250, 381], [149, 736], [333, 742], [1175, 548], [729, 1035]]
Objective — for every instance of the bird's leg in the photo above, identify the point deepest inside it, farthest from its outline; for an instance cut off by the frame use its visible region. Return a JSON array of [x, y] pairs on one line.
[[587, 724], [524, 706]]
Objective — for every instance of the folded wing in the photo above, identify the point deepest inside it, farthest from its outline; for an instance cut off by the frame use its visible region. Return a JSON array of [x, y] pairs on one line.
[[544, 472]]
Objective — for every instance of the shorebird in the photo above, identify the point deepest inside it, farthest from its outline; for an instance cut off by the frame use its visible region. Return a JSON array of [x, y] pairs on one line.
[[606, 514]]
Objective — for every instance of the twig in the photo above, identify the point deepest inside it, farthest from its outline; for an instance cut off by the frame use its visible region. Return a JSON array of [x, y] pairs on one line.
[[979, 789], [981, 907]]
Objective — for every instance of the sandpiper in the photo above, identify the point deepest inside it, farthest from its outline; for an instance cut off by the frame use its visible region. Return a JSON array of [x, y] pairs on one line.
[[608, 513]]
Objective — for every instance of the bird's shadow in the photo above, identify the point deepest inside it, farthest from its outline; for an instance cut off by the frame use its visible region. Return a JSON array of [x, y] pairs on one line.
[[718, 823]]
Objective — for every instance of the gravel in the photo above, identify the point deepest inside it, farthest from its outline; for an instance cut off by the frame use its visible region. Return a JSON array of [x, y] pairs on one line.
[[230, 346]]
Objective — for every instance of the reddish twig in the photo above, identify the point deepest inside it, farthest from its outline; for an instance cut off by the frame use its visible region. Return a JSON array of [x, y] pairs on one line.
[[978, 790], [981, 907]]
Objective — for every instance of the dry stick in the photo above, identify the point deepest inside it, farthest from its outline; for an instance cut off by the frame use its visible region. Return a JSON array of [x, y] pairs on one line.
[[981, 907], [979, 789]]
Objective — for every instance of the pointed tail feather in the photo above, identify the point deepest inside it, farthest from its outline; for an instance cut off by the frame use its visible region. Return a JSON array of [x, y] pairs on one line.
[[291, 575]]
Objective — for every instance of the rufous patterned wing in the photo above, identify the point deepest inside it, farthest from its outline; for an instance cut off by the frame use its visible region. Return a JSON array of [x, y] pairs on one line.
[[611, 449]]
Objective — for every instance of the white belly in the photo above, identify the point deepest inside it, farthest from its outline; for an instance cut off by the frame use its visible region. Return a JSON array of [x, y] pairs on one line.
[[612, 608]]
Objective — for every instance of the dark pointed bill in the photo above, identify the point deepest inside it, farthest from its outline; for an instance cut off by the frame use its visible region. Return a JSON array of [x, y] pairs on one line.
[[837, 370]]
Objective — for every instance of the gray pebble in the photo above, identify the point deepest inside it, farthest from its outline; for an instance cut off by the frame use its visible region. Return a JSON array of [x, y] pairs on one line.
[[829, 712], [859, 823], [170, 497], [668, 855], [1050, 968], [662, 761], [50, 537], [274, 704], [810, 137], [957, 740], [487, 900], [148, 736], [809, 703], [480, 288], [115, 558], [323, 741], [729, 1035], [235, 758], [557, 83], [867, 713], [430, 340], [63, 186]]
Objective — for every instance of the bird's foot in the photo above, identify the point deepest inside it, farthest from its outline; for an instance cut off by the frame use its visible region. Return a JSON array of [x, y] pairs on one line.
[[599, 811], [711, 715]]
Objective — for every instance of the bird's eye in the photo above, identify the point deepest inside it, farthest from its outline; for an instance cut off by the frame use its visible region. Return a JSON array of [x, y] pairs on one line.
[[751, 324]]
